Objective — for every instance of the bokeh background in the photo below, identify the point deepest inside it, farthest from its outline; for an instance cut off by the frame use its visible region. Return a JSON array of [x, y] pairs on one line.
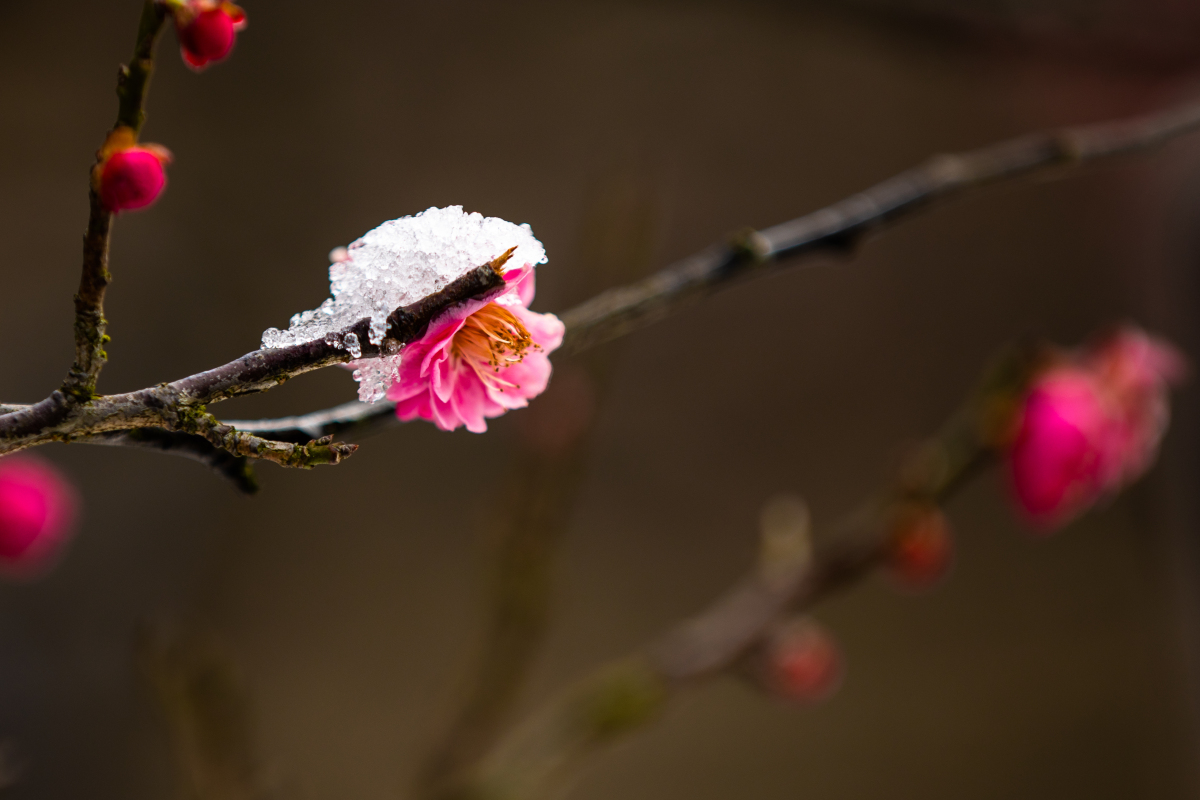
[[350, 598]]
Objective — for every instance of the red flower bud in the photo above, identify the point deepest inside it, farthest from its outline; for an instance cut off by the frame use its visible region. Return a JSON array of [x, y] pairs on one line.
[[921, 549], [37, 511], [801, 663], [132, 177], [207, 30]]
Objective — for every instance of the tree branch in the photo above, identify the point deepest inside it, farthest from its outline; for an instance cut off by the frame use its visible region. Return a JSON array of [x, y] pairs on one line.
[[90, 324], [616, 312], [286, 454], [838, 227]]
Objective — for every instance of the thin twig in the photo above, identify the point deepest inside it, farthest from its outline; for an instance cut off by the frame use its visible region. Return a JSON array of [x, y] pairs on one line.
[[286, 454], [838, 227], [90, 324]]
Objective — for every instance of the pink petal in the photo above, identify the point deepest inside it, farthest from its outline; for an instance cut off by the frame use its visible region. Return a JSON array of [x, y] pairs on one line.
[[546, 329], [416, 406], [468, 403], [443, 376], [530, 377], [444, 416]]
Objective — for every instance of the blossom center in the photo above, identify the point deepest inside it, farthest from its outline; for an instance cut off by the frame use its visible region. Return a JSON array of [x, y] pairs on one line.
[[492, 336]]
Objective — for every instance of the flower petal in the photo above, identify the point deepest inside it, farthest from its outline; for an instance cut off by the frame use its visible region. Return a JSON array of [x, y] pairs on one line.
[[414, 407], [468, 402]]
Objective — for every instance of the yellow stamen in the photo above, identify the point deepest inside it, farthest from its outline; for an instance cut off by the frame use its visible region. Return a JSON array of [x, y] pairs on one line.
[[491, 339]]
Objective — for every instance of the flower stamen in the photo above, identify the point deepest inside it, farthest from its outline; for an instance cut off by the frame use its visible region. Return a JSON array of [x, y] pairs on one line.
[[490, 340]]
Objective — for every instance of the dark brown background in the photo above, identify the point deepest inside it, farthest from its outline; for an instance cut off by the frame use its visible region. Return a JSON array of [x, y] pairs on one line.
[[1052, 668]]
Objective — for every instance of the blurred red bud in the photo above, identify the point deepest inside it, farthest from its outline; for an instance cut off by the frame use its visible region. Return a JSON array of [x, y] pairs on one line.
[[921, 549], [37, 511], [800, 663], [207, 30]]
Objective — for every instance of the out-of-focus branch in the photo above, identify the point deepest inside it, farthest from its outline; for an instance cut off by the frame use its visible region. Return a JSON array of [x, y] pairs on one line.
[[90, 324], [207, 711], [539, 755], [838, 227], [846, 223], [541, 494], [619, 234]]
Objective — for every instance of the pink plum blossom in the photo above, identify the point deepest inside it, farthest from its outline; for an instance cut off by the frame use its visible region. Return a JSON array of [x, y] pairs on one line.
[[478, 360], [1091, 425], [37, 512]]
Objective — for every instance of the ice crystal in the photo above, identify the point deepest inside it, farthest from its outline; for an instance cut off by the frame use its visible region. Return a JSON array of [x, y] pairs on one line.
[[394, 265]]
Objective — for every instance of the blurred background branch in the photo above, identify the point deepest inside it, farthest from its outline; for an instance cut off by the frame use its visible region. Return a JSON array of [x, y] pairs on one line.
[[620, 233], [207, 711], [539, 757]]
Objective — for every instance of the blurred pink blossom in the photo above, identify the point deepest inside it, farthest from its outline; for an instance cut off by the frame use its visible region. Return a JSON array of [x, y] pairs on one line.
[[37, 512], [479, 359], [1091, 425]]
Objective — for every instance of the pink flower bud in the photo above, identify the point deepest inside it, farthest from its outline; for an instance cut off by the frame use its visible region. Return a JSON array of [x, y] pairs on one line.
[[921, 549], [37, 511], [133, 177], [1091, 425], [802, 663], [207, 30]]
